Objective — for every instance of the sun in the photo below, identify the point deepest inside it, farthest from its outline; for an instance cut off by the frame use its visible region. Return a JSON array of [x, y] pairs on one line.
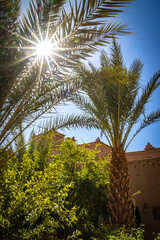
[[44, 49]]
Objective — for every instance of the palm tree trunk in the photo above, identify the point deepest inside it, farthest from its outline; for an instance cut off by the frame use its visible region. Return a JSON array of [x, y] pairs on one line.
[[120, 203]]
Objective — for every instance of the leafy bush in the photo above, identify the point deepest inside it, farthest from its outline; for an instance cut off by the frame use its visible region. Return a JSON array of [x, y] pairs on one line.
[[53, 197], [158, 237], [122, 234], [114, 233]]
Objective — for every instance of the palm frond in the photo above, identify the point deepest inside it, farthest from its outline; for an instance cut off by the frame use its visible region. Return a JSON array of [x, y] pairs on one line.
[[148, 120], [104, 60], [140, 105], [136, 67], [79, 31], [68, 122], [116, 54], [95, 109], [33, 107]]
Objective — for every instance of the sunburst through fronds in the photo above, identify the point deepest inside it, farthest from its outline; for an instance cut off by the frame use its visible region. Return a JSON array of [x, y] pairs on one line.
[[44, 48], [49, 36]]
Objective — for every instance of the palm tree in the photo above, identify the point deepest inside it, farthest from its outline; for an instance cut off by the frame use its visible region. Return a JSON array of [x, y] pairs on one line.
[[116, 108], [34, 85]]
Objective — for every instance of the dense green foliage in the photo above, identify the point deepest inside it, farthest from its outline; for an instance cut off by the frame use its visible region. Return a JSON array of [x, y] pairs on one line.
[[122, 234], [53, 197], [114, 233]]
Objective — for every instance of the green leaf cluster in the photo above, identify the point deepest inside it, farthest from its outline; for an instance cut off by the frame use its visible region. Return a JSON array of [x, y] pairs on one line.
[[158, 236], [53, 197], [122, 234], [109, 232]]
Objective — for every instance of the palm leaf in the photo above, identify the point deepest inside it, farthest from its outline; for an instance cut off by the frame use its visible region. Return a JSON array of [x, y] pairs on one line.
[[140, 105], [68, 122], [148, 120]]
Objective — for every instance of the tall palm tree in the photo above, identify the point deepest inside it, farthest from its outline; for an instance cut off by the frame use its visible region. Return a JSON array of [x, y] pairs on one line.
[[32, 83], [116, 108]]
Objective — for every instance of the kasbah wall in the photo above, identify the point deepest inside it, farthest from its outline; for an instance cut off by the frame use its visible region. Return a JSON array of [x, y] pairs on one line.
[[144, 171]]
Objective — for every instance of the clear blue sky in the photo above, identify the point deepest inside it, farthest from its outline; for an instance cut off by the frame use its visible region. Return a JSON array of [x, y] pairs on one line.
[[143, 18]]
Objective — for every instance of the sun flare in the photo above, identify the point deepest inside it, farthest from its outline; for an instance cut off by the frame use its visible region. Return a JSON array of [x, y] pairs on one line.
[[44, 49]]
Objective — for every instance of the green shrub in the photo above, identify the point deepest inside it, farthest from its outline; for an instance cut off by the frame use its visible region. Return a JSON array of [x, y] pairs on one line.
[[158, 237], [53, 197], [114, 233], [122, 234]]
